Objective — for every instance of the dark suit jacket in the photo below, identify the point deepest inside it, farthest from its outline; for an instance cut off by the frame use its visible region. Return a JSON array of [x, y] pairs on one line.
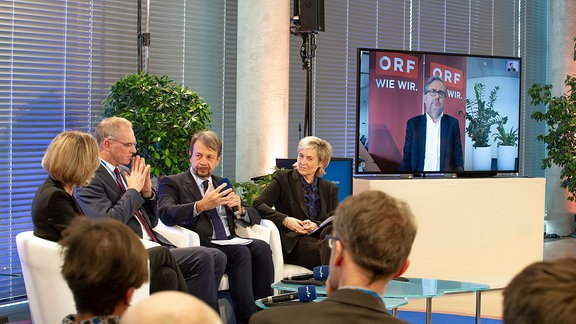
[[451, 159], [177, 195], [286, 195], [52, 210], [103, 197], [343, 306]]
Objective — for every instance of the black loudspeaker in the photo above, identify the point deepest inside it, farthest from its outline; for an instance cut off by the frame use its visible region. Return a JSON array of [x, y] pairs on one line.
[[311, 15]]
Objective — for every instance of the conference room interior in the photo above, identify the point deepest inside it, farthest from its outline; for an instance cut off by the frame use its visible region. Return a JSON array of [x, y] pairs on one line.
[[249, 69]]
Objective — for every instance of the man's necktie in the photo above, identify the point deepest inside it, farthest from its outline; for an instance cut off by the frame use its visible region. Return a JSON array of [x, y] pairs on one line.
[[138, 214], [219, 231]]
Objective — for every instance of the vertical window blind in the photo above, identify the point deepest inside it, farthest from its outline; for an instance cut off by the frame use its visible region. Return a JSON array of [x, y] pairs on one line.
[[58, 59]]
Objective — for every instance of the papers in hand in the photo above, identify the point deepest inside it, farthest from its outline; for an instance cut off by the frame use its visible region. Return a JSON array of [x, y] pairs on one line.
[[233, 241], [326, 222]]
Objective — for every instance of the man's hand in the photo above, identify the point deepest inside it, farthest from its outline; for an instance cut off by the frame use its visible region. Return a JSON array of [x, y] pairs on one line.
[[212, 197], [233, 200], [139, 177]]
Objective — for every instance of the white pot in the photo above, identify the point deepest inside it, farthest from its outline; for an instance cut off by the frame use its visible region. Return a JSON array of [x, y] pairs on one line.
[[506, 158], [482, 158]]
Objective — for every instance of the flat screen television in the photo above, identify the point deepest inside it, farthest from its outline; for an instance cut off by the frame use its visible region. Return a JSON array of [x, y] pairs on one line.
[[390, 92]]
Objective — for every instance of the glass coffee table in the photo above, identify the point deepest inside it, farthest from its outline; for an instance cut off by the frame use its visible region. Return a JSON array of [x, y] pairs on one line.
[[391, 303], [407, 288]]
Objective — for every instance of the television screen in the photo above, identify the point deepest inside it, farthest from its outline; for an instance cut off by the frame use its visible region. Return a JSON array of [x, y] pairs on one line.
[[467, 122], [339, 172]]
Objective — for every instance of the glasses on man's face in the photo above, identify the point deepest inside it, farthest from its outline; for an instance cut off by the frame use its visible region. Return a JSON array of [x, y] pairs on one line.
[[434, 92], [126, 145], [332, 240]]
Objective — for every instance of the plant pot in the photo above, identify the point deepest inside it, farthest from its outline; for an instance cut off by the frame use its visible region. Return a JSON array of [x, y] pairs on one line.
[[482, 158], [506, 157]]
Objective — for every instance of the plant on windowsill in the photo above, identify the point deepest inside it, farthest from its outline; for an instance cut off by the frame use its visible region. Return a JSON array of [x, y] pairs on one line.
[[481, 115], [560, 138], [164, 116], [506, 142]]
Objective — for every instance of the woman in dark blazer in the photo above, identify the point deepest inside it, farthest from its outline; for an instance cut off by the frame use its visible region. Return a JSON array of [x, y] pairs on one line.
[[298, 201]]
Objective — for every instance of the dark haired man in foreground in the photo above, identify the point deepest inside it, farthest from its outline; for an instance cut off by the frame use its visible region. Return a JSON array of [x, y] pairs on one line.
[[372, 238], [544, 293]]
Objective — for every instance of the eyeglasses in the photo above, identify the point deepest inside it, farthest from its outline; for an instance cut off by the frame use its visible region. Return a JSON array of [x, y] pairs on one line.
[[126, 145], [331, 240], [434, 92]]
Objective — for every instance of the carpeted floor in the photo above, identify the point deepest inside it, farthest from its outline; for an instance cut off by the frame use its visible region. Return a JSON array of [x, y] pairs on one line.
[[420, 318]]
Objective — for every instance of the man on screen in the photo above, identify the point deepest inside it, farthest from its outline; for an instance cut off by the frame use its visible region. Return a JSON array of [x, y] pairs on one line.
[[432, 140]]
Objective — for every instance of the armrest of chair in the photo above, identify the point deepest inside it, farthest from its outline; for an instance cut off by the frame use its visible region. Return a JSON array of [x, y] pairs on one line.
[[178, 235], [254, 231], [276, 246]]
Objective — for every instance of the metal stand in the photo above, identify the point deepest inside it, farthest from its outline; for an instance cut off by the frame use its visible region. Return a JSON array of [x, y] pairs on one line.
[[143, 39], [307, 54]]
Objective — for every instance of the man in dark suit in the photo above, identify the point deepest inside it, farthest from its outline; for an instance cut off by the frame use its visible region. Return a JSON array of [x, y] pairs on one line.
[[372, 238], [432, 140], [193, 199], [127, 195]]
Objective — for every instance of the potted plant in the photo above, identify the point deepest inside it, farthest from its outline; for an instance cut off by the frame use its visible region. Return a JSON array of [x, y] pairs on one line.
[[506, 142], [560, 138], [250, 190], [481, 116], [164, 115]]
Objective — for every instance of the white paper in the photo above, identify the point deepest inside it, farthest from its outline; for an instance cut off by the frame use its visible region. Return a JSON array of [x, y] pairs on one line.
[[233, 241]]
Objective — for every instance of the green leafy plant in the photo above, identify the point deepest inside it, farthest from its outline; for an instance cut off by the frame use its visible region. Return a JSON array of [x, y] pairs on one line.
[[481, 115], [504, 138], [560, 138], [164, 115], [250, 190]]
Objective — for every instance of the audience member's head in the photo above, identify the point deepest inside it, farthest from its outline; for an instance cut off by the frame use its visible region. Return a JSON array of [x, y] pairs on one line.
[[543, 293], [375, 231], [104, 262], [170, 307], [72, 158]]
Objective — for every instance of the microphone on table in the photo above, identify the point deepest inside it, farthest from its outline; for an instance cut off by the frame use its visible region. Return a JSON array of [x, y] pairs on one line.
[[319, 273], [304, 294], [235, 209]]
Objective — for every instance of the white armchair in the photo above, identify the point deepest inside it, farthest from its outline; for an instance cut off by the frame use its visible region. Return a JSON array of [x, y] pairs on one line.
[[49, 297], [266, 231]]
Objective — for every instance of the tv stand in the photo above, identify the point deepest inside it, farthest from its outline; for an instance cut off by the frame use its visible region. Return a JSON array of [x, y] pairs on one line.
[[482, 230]]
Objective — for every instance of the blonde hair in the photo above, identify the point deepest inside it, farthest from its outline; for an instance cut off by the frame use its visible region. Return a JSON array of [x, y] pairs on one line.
[[72, 158], [323, 149]]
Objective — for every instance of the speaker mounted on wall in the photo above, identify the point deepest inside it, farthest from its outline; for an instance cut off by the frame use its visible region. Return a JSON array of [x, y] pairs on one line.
[[310, 15]]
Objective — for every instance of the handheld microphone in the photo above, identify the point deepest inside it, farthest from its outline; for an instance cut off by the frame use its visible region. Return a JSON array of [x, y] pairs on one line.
[[304, 294], [319, 273], [235, 209]]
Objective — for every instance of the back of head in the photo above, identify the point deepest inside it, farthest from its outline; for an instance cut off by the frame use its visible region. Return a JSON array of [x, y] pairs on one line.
[[72, 158], [102, 260], [544, 293], [378, 229], [172, 307]]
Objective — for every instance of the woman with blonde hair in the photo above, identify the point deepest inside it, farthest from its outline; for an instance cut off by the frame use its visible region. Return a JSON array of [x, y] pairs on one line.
[[71, 160], [298, 201]]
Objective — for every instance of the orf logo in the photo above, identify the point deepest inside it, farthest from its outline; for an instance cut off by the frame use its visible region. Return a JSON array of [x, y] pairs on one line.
[[397, 64]]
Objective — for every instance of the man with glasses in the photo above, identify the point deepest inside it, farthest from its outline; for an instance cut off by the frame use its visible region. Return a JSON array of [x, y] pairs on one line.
[[432, 140], [372, 238], [126, 194]]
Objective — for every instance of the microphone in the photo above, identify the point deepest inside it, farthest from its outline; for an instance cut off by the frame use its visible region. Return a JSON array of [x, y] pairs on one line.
[[319, 273], [235, 209], [304, 294]]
